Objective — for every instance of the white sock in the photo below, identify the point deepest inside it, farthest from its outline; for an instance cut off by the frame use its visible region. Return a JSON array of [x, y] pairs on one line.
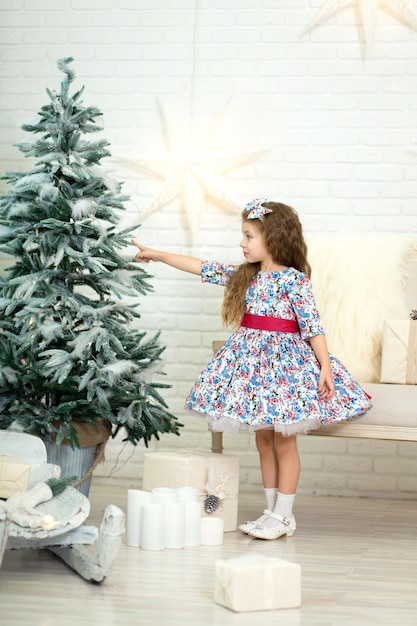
[[284, 504], [283, 508], [271, 497]]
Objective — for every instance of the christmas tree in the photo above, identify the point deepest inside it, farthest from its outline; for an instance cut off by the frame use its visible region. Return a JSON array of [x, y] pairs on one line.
[[69, 350]]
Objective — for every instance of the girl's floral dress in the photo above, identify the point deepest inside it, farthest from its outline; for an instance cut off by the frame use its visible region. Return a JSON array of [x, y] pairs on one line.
[[265, 379]]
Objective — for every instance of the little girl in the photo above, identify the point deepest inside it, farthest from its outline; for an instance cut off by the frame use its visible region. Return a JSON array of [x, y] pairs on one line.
[[274, 374]]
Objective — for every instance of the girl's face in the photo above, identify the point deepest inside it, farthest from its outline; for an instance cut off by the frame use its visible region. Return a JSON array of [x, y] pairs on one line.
[[253, 245]]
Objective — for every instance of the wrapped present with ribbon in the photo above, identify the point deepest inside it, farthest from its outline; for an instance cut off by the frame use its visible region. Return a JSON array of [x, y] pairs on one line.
[[254, 582], [399, 351], [14, 475], [216, 477]]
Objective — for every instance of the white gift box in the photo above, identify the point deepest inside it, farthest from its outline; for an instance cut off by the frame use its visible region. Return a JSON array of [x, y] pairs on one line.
[[218, 472], [253, 582], [14, 475], [399, 352]]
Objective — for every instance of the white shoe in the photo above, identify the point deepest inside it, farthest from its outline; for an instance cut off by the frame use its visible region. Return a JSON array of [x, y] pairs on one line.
[[248, 526], [285, 526]]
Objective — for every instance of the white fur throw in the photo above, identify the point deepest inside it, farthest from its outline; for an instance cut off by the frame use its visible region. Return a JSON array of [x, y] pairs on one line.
[[358, 281]]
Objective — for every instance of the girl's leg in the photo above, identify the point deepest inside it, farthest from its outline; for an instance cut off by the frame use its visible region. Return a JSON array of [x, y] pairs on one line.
[[268, 459], [289, 460], [269, 465], [282, 521], [269, 470]]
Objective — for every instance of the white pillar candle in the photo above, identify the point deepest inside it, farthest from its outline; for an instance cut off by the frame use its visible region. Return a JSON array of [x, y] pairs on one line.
[[164, 494], [211, 531], [174, 525], [192, 524], [136, 498], [152, 527], [186, 494]]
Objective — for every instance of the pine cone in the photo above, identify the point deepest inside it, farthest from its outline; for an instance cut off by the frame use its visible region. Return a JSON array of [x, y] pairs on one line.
[[211, 504]]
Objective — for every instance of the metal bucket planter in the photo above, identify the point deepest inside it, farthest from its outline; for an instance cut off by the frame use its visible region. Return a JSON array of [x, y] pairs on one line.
[[82, 461], [73, 462]]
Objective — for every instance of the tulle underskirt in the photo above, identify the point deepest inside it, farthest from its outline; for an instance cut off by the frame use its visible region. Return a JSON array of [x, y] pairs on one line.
[[231, 426]]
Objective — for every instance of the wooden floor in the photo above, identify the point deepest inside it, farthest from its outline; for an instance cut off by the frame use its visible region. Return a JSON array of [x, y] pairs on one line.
[[358, 559]]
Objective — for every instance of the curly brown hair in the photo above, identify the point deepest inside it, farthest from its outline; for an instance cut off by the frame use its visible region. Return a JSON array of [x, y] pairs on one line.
[[284, 240]]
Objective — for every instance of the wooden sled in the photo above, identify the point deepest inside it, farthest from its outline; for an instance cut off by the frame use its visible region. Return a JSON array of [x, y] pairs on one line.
[[89, 551]]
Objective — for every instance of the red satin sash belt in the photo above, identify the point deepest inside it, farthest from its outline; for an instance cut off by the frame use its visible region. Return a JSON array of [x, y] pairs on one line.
[[265, 322]]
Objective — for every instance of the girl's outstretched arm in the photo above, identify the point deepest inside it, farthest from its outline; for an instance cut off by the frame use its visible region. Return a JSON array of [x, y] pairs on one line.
[[326, 383], [180, 261]]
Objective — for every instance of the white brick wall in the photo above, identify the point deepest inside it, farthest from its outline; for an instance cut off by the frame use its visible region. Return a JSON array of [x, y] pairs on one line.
[[341, 131]]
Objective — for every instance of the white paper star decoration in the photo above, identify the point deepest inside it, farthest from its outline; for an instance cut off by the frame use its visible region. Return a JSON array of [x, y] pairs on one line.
[[191, 169], [369, 13]]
